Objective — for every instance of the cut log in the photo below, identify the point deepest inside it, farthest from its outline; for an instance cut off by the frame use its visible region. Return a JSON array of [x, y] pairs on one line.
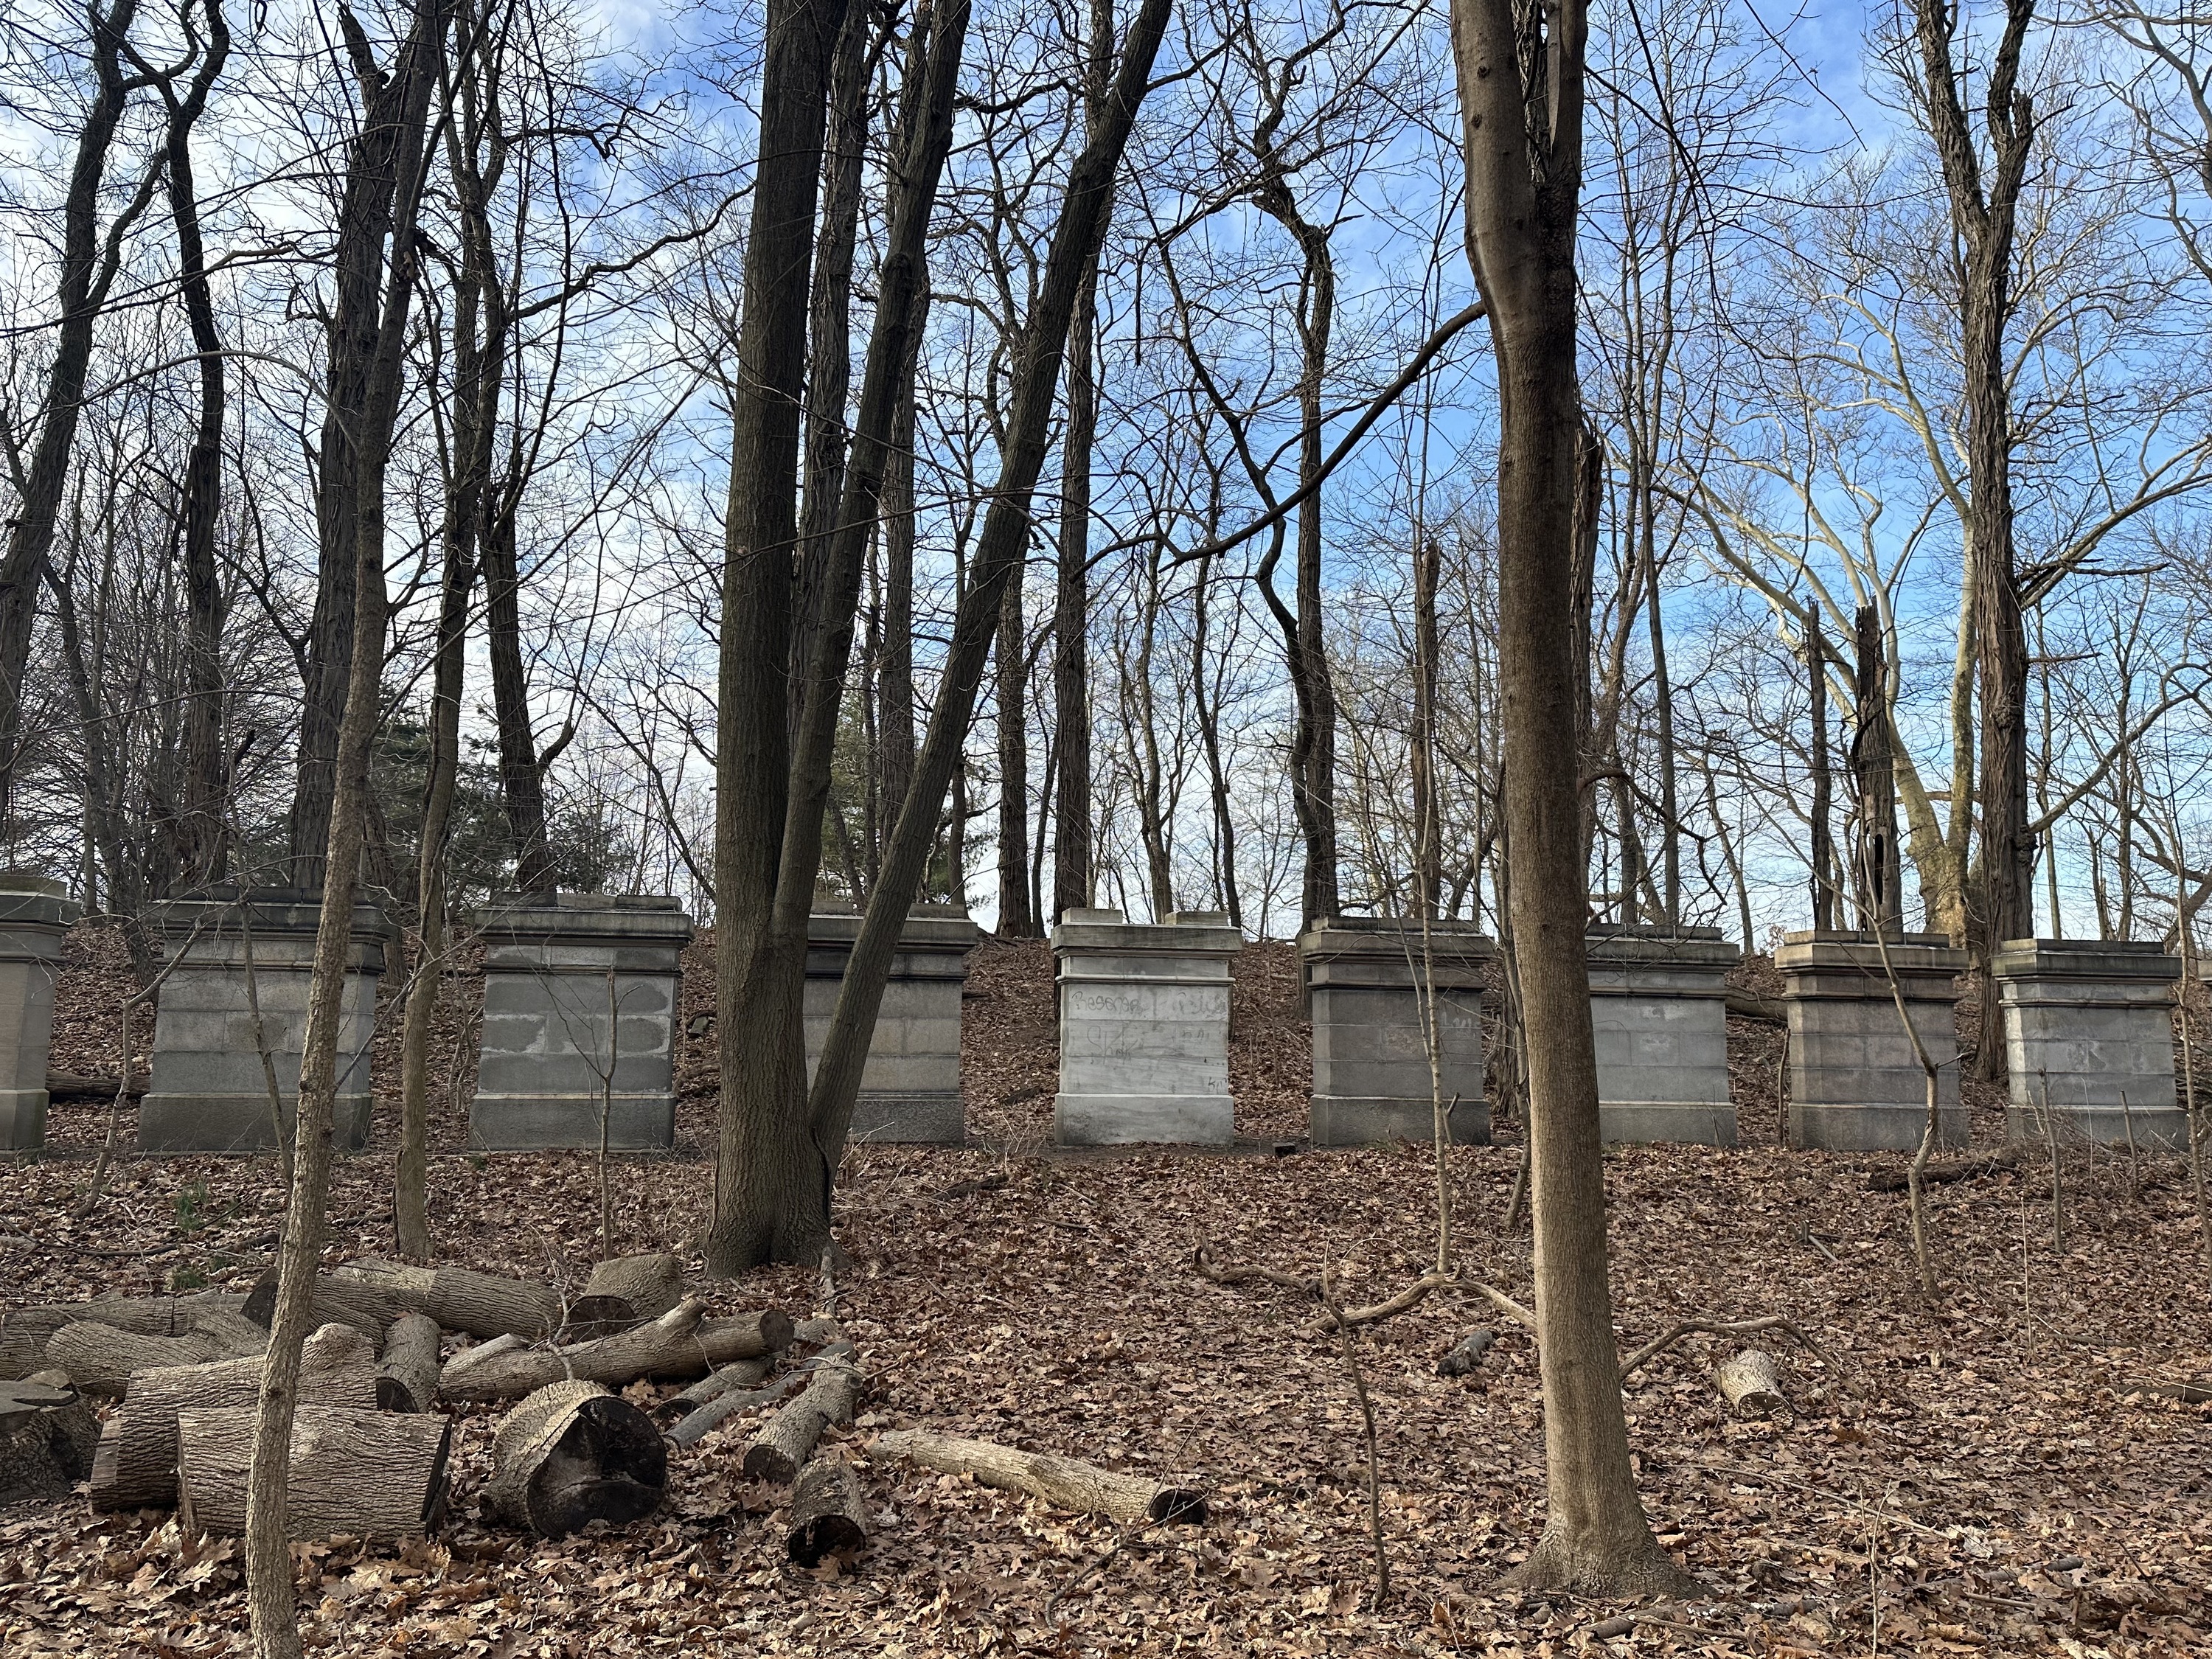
[[678, 1345], [407, 1377], [826, 1517], [459, 1299], [101, 1359], [1943, 1169], [47, 1438], [739, 1374], [651, 1284], [780, 1449], [1746, 1005], [75, 1085], [136, 1466], [702, 1421], [364, 1474], [335, 1301], [596, 1316], [23, 1333], [1064, 1482], [1749, 1383], [573, 1453], [1467, 1353]]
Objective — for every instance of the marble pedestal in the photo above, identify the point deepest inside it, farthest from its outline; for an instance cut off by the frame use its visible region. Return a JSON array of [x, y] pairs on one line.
[[1366, 980], [580, 1020], [1661, 1033], [1144, 1028], [209, 1091], [910, 1086], [1856, 1083], [2088, 1031], [34, 914]]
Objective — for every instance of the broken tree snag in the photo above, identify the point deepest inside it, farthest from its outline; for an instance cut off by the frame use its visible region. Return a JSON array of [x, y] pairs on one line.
[[778, 1451], [101, 1359], [459, 1298], [337, 1301], [491, 1372], [407, 1376], [136, 1466], [47, 1438], [573, 1453], [826, 1517], [650, 1284], [1749, 1383], [23, 1333], [365, 1475], [1063, 1482]]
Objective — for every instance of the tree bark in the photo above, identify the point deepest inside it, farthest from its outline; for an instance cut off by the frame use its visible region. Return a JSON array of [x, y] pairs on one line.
[[1824, 841], [827, 1517], [1521, 96], [459, 1298], [1876, 876], [998, 554], [407, 1374], [1015, 920], [24, 1333], [1064, 1482], [648, 1285], [678, 1344], [1749, 1385], [364, 1474], [571, 1453], [135, 1466], [101, 1360], [782, 1448], [47, 1441]]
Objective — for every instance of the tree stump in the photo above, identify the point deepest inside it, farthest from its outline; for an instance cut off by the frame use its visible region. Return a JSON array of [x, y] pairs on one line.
[[367, 1474], [46, 1440], [650, 1284], [136, 1466], [100, 1358], [407, 1377], [573, 1453], [1749, 1384], [826, 1516], [1064, 1482], [782, 1448]]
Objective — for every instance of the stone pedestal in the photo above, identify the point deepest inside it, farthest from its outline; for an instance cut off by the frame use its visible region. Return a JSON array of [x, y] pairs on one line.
[[34, 914], [1856, 1085], [209, 1091], [580, 1018], [1365, 981], [1662, 1032], [1144, 1028], [2089, 1031], [910, 1087]]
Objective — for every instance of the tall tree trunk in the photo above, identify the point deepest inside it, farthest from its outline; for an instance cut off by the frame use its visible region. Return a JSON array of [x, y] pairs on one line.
[[201, 852], [1983, 217], [1662, 698], [1875, 875], [999, 551], [395, 108], [771, 1201], [1073, 874], [1015, 920], [1824, 841], [895, 672], [270, 1594], [1428, 836], [87, 271], [1207, 710], [1521, 94]]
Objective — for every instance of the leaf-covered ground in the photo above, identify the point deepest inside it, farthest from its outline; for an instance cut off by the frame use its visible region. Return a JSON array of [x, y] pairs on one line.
[[1980, 1475]]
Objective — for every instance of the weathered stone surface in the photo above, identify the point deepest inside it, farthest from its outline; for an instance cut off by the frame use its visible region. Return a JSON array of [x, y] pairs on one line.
[[209, 1091], [580, 1018], [1144, 1028], [910, 1086], [1661, 1034], [2089, 1034], [1856, 1083], [1365, 982], [34, 914]]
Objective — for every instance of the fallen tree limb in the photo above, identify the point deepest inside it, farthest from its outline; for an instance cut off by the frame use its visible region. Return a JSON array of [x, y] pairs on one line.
[[1681, 1328], [780, 1449], [718, 1341], [826, 1516], [738, 1374], [136, 1465], [367, 1474], [101, 1359], [696, 1424], [1746, 1005], [1938, 1172], [1063, 1482], [407, 1373], [459, 1298], [680, 1344], [1226, 1273], [573, 1453]]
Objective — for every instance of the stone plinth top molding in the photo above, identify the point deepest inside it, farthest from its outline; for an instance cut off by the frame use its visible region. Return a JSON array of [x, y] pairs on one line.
[[2086, 959], [1616, 944], [1455, 951], [544, 918], [29, 900], [1835, 952], [930, 930], [272, 910], [1185, 933]]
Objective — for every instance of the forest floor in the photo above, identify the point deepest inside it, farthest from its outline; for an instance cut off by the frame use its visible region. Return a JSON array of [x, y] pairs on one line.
[[1979, 1474]]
